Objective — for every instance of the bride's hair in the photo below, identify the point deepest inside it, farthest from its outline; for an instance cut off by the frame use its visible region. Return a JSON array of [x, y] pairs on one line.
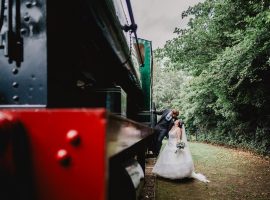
[[180, 123]]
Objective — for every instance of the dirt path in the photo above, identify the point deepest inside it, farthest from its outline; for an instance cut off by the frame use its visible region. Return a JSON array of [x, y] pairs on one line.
[[233, 174]]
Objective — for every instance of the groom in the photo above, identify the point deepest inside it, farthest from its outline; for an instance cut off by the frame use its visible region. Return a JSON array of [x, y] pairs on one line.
[[164, 125]]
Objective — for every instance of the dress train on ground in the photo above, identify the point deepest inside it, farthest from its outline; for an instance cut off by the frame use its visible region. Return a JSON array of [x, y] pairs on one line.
[[178, 164]]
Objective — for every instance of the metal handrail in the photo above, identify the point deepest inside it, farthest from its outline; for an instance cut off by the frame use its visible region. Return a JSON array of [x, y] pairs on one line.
[[133, 27]]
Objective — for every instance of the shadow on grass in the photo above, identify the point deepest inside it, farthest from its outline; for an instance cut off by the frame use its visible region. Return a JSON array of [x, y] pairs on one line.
[[184, 180]]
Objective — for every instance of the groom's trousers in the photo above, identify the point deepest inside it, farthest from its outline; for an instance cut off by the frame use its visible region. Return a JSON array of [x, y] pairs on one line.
[[160, 134]]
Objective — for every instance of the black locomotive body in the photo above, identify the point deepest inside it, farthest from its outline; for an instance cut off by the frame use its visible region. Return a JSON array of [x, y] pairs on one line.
[[63, 58]]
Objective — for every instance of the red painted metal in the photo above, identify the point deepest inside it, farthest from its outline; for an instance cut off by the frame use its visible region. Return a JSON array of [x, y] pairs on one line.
[[52, 134], [7, 123]]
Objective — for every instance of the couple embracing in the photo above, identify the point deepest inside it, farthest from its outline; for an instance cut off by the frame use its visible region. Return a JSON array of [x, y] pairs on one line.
[[175, 160]]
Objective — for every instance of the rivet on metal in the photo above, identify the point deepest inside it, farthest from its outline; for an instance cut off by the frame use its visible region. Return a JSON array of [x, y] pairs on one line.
[[15, 84], [23, 31], [33, 77], [73, 137], [63, 157], [15, 98], [15, 71], [26, 18], [40, 87], [28, 4]]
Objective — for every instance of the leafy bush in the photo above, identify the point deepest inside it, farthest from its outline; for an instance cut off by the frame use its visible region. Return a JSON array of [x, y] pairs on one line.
[[217, 72]]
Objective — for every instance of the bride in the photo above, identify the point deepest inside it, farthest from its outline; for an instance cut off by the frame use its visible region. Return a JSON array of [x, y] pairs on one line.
[[174, 163]]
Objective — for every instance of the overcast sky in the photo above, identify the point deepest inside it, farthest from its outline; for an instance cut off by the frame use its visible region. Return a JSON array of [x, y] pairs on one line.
[[156, 19]]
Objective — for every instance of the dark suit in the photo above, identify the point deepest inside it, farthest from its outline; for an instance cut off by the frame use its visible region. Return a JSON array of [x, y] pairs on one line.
[[162, 128]]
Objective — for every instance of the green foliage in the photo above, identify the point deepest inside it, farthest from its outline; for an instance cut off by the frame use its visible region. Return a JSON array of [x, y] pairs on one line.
[[225, 51], [167, 84]]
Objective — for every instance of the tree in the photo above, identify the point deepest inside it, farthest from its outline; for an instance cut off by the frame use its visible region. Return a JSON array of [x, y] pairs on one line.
[[226, 51]]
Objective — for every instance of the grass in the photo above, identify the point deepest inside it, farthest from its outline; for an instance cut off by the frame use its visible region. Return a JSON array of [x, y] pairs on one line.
[[234, 174]]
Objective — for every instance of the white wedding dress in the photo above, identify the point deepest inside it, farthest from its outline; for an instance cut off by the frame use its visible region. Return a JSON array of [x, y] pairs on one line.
[[178, 164]]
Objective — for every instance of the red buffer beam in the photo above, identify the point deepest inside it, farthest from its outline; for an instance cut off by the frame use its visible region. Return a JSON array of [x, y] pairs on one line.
[[68, 154], [53, 154]]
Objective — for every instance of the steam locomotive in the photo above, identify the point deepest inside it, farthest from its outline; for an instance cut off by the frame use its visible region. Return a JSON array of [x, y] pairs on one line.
[[75, 99]]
